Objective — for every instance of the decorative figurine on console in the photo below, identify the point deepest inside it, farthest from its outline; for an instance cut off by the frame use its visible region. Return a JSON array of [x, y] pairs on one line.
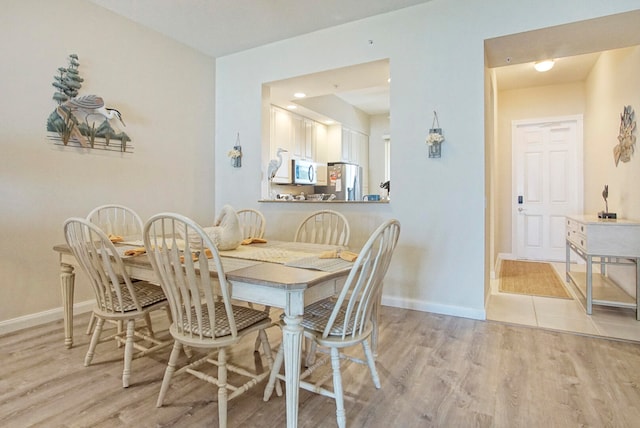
[[606, 213]]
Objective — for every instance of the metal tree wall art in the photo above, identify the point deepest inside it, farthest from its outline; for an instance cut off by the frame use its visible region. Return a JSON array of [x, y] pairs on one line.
[[74, 120], [626, 138]]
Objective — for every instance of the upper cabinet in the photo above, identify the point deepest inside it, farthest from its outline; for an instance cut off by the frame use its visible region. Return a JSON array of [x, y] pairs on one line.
[[304, 139], [347, 145], [281, 138], [309, 140], [299, 135]]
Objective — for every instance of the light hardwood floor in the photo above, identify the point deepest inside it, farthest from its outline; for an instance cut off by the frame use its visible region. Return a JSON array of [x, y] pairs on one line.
[[436, 371]]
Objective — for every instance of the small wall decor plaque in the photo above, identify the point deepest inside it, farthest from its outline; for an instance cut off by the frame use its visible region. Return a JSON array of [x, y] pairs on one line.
[[626, 138], [435, 138], [83, 120], [236, 153]]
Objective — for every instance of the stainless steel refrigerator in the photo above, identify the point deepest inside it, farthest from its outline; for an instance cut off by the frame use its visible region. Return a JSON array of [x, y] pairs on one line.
[[344, 180]]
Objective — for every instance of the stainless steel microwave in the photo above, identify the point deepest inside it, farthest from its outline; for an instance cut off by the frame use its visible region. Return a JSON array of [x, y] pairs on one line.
[[303, 172]]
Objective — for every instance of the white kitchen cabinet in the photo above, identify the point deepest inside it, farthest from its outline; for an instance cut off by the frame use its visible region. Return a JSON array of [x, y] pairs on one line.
[[281, 137], [301, 134], [360, 151], [321, 142], [298, 136], [346, 154], [309, 140]]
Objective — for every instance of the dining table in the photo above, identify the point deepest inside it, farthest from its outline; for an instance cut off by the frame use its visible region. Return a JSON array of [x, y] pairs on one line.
[[280, 274]]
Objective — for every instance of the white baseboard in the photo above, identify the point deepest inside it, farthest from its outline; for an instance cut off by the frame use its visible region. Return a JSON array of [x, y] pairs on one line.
[[419, 305], [31, 320], [15, 324]]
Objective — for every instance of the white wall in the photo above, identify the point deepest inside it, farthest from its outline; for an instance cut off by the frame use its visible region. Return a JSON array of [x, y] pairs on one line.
[[165, 92], [437, 63], [612, 84]]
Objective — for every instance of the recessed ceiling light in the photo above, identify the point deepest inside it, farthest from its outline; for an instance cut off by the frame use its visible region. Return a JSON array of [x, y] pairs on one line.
[[299, 95], [291, 107], [543, 66], [329, 122]]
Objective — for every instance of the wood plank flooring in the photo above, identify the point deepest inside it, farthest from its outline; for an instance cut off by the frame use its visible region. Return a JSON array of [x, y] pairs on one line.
[[436, 371]]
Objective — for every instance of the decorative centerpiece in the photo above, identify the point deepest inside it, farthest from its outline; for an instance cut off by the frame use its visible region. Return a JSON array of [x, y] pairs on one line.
[[606, 213], [435, 138]]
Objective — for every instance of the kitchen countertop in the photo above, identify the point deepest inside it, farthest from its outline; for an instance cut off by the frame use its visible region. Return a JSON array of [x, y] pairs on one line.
[[280, 201]]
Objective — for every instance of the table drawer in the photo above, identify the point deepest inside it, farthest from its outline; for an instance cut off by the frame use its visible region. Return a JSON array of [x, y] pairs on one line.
[[576, 234]]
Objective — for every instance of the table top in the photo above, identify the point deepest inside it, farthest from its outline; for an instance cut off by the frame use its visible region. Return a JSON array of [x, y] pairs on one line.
[[593, 219], [239, 265]]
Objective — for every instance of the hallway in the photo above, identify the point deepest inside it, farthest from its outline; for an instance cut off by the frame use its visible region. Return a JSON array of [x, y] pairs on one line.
[[562, 314]]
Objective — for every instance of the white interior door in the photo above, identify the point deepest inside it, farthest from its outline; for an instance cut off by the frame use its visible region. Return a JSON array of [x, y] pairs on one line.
[[547, 184]]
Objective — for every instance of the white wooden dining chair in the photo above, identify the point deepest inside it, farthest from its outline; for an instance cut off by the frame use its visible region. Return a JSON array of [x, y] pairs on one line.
[[199, 295], [118, 221], [252, 223], [346, 320], [118, 298], [324, 227]]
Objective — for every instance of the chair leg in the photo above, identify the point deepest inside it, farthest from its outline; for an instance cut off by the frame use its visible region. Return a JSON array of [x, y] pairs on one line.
[[372, 363], [92, 323], [277, 364], [375, 320], [168, 372], [168, 311], [337, 388], [222, 388], [119, 330], [256, 347], [311, 353], [147, 321], [128, 353], [97, 331], [266, 348]]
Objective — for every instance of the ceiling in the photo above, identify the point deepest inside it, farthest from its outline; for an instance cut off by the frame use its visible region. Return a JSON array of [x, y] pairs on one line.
[[222, 27], [365, 86], [575, 48]]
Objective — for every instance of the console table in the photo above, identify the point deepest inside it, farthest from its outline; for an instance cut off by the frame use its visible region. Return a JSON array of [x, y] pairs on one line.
[[604, 241]]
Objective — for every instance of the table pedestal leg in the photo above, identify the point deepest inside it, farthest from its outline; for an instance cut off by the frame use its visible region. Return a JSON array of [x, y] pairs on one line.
[[67, 279], [292, 342]]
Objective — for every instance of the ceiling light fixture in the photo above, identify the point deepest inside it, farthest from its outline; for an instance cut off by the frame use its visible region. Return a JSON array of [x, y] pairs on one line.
[[543, 66], [299, 95], [291, 107]]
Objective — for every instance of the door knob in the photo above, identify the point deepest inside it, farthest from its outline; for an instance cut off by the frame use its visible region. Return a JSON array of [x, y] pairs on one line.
[[520, 209]]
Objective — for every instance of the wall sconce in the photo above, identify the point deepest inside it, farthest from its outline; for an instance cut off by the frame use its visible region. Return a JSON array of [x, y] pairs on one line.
[[435, 138]]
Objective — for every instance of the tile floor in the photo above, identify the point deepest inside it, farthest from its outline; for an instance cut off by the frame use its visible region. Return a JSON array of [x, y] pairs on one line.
[[562, 314]]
